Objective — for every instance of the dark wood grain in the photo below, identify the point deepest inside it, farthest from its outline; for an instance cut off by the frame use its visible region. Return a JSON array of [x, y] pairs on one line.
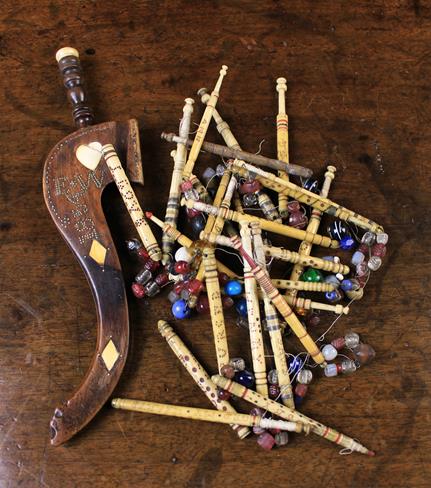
[[358, 95]]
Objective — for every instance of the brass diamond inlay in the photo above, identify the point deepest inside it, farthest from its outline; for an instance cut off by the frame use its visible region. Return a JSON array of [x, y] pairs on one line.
[[98, 252], [110, 355]]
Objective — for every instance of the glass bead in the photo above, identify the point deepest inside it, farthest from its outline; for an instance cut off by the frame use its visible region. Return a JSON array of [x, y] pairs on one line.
[[223, 394], [329, 352], [295, 364], [180, 310], [339, 277], [249, 200], [192, 212], [133, 245], [142, 254], [151, 289], [173, 297], [183, 254], [152, 265], [203, 304], [362, 280], [244, 378], [339, 343], [138, 290], [228, 371], [250, 186], [374, 263], [274, 431], [331, 370], [195, 286], [298, 220], [273, 377], [257, 430], [348, 366], [241, 307], [301, 390], [185, 294], [312, 275], [266, 441], [304, 376], [334, 296], [273, 391], [293, 206], [378, 250], [363, 248], [257, 412], [357, 258], [220, 169], [350, 284], [233, 288], [238, 364], [338, 229], [198, 224], [162, 279], [281, 439], [363, 353], [351, 339], [312, 185], [208, 175], [382, 238], [189, 192], [143, 277], [362, 269], [227, 302], [242, 322], [347, 243], [332, 279], [312, 319], [301, 311], [223, 278], [369, 238]]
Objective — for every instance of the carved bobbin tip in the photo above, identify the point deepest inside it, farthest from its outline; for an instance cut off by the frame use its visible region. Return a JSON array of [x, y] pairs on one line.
[[331, 168], [281, 80], [223, 70], [173, 153], [189, 101], [115, 402], [202, 91], [163, 327], [66, 51], [148, 215]]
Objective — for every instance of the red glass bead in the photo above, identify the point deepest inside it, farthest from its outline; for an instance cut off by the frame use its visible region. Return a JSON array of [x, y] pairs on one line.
[[274, 391], [227, 302], [266, 441], [251, 186], [162, 278], [301, 390], [298, 220], [293, 206], [223, 394], [339, 368], [378, 250], [274, 431], [223, 278], [194, 286], [363, 248], [192, 212], [362, 280], [138, 290], [312, 320], [182, 267], [228, 371], [338, 343], [143, 254], [203, 304], [179, 287], [186, 185], [151, 265]]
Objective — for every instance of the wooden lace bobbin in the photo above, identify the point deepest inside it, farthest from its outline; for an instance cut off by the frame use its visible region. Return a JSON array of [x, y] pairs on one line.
[[273, 326], [203, 126], [304, 196], [131, 202], [253, 314], [180, 156], [285, 255], [227, 152], [313, 226], [289, 414], [308, 304], [225, 204], [265, 224], [198, 373], [216, 307], [185, 241], [303, 285], [282, 306], [208, 415], [282, 141]]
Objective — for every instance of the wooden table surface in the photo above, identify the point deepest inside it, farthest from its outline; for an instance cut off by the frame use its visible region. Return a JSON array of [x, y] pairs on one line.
[[358, 96]]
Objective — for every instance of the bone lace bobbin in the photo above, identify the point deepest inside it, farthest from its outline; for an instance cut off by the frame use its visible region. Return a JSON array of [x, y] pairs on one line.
[[273, 326], [282, 306], [203, 126], [197, 372], [275, 227], [313, 226], [130, 200], [287, 413], [284, 255], [282, 141], [304, 196], [227, 152], [185, 241], [180, 156], [216, 307], [303, 285], [253, 314], [208, 415]]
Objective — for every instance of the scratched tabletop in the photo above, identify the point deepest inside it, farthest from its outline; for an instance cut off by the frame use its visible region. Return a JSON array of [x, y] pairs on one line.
[[358, 96]]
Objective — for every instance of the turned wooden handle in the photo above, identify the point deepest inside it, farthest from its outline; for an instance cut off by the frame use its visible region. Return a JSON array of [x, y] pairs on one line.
[[70, 68]]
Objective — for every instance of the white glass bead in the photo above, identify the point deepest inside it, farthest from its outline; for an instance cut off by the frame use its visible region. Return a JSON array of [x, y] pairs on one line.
[[329, 352], [369, 238], [304, 377], [339, 277], [183, 254], [352, 339], [374, 263], [382, 238], [330, 370], [336, 259]]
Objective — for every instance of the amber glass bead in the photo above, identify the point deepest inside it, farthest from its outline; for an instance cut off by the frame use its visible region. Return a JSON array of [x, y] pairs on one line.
[[228, 371], [250, 186]]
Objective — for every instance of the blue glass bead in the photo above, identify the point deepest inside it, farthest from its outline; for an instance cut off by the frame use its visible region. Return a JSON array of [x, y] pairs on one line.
[[244, 378], [338, 229], [298, 401], [180, 310], [333, 280], [198, 224], [241, 307], [233, 288], [334, 296], [347, 243], [295, 365], [312, 185], [349, 285]]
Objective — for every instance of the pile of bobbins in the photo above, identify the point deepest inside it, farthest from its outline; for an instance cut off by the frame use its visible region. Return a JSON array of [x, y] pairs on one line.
[[237, 206]]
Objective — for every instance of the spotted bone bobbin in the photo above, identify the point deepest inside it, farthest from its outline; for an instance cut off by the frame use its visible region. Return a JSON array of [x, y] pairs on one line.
[[72, 192]]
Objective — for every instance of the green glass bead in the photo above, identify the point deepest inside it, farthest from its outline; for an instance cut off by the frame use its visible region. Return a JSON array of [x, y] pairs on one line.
[[313, 275]]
